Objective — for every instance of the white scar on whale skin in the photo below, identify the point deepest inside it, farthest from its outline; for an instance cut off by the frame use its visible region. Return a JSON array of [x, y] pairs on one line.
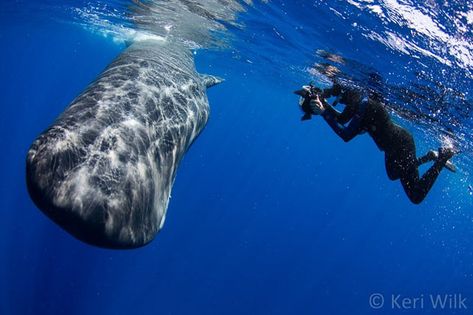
[[104, 170]]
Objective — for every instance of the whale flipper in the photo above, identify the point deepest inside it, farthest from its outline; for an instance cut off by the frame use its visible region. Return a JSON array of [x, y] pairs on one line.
[[210, 80], [105, 169]]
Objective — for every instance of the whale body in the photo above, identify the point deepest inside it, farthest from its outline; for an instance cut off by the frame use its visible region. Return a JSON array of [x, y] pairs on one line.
[[105, 168]]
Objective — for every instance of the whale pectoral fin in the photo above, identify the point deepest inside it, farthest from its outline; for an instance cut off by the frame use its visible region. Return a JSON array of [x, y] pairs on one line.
[[210, 80]]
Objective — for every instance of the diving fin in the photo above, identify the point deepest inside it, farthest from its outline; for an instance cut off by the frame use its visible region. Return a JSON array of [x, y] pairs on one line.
[[448, 165], [451, 167]]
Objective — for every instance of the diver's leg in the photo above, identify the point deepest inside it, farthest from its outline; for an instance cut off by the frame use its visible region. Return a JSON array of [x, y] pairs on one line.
[[401, 152], [430, 156], [433, 155], [392, 169], [406, 162], [417, 188]]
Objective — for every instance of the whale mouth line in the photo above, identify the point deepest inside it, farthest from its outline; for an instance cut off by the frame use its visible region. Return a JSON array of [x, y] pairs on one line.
[[72, 222]]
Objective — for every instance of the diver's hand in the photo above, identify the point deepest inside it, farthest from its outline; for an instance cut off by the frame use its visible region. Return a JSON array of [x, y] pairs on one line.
[[316, 106]]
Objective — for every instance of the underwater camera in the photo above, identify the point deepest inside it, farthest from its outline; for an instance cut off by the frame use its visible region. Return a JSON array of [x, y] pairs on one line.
[[307, 94]]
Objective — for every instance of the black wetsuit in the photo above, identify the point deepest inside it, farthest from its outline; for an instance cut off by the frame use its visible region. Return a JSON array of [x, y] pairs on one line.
[[398, 144]]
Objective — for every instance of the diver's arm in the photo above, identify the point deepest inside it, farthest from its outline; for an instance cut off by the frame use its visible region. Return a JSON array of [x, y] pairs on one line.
[[341, 117], [347, 114], [327, 93], [333, 91], [346, 133], [329, 108]]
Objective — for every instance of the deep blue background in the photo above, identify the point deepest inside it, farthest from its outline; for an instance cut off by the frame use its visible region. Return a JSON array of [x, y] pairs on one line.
[[268, 215]]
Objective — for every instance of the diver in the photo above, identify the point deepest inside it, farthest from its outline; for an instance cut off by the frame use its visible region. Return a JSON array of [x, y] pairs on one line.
[[369, 115]]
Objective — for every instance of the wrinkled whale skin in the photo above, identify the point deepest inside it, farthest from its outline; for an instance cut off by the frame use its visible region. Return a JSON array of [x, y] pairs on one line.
[[105, 168]]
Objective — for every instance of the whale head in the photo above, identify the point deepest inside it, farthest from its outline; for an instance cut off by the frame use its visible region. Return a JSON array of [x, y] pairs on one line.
[[104, 170]]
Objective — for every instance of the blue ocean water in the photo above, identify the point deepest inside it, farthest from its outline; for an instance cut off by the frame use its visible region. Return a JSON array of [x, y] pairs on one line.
[[268, 215]]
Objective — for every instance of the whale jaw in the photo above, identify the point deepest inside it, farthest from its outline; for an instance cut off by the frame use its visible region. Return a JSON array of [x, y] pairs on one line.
[[95, 221]]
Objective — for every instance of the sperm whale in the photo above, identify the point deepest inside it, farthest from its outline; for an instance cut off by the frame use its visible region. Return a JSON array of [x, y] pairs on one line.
[[105, 168]]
